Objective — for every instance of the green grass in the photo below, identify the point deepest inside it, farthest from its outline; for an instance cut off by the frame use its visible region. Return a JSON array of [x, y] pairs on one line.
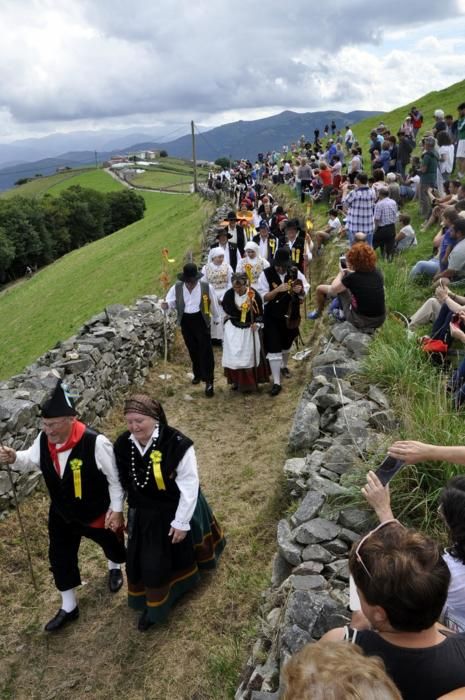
[[163, 180], [42, 185], [94, 179], [51, 306]]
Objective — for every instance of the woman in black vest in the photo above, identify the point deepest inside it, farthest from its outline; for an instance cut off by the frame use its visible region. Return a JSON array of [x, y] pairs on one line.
[[171, 529]]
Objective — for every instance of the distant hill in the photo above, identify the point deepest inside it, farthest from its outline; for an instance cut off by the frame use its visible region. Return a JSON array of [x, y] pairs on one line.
[[241, 139], [244, 139]]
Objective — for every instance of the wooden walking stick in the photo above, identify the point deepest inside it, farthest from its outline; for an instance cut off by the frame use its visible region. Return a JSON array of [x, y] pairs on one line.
[[165, 282], [21, 524]]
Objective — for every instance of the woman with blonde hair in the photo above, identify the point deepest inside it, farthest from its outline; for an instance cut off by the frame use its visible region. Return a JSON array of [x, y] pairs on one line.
[[336, 671]]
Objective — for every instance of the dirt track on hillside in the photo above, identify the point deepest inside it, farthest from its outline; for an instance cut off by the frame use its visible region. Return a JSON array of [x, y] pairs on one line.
[[240, 443]]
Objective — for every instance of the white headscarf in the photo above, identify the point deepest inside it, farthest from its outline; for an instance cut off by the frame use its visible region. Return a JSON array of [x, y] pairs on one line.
[[252, 246], [214, 252]]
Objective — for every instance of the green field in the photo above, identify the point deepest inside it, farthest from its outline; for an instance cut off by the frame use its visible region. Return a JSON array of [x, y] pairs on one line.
[[160, 179], [172, 174], [117, 269], [42, 185]]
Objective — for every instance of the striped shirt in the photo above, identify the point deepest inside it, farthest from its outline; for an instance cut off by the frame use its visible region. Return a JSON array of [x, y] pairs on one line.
[[360, 204], [385, 211]]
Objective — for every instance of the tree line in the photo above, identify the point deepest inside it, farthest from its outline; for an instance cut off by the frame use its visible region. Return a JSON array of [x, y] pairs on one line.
[[35, 232]]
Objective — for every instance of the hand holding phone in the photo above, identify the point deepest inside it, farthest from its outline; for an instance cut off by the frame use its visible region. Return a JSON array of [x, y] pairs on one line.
[[389, 468]]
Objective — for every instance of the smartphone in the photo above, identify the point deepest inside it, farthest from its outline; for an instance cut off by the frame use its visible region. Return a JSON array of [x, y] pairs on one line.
[[455, 320], [343, 262], [388, 469]]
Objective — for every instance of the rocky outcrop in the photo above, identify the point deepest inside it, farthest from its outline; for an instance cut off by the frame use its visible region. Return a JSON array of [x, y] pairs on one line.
[[336, 424]]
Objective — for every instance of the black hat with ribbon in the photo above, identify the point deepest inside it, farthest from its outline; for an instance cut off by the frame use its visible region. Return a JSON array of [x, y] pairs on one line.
[[59, 404]]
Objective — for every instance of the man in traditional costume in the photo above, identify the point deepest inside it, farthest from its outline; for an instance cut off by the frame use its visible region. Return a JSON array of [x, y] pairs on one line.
[[79, 470], [236, 232], [171, 529], [282, 287], [295, 242], [197, 307], [267, 243]]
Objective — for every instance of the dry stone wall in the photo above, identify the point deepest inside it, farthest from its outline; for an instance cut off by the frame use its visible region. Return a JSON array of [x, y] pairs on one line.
[[112, 351], [336, 423]]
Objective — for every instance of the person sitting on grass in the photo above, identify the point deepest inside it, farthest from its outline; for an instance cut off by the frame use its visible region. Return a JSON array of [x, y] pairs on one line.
[[444, 241], [331, 230], [405, 237], [359, 288], [440, 203], [402, 582]]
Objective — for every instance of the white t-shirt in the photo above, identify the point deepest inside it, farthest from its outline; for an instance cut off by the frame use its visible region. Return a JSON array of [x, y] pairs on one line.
[[454, 609], [334, 225], [409, 239]]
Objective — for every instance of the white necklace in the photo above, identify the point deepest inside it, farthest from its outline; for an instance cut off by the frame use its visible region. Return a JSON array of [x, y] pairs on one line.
[[141, 484]]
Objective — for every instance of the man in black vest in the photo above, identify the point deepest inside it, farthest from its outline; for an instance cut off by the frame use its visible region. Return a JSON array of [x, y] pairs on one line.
[[267, 243], [236, 232], [282, 288], [295, 242], [231, 252], [197, 306], [79, 470]]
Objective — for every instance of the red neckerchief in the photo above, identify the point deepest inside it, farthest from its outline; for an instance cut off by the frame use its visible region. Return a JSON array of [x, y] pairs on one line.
[[77, 431], [76, 434]]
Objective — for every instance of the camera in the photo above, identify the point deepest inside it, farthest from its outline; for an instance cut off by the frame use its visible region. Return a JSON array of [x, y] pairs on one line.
[[343, 262]]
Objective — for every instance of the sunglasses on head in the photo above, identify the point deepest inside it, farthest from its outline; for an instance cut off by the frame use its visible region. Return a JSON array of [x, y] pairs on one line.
[[364, 539]]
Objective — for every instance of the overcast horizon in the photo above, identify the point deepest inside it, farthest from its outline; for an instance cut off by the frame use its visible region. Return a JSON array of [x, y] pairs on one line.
[[102, 64]]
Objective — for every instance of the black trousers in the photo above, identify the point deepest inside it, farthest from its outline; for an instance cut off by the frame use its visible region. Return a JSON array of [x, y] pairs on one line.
[[385, 238], [64, 541], [198, 342]]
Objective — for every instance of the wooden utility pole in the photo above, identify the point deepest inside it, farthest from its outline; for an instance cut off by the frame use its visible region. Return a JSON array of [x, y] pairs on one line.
[[194, 161]]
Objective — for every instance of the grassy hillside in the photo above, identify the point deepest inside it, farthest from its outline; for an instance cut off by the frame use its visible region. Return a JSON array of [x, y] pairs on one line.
[[42, 185], [446, 99], [171, 174], [50, 307]]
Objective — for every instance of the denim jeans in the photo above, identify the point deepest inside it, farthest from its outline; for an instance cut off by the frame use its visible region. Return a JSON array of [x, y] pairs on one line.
[[425, 267]]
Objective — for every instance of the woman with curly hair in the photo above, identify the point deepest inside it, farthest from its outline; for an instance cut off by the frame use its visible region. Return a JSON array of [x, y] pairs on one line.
[[336, 671], [359, 287]]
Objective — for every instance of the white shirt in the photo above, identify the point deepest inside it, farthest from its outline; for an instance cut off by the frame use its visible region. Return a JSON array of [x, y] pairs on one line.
[[454, 609], [263, 247], [187, 481], [192, 300], [263, 287], [29, 460]]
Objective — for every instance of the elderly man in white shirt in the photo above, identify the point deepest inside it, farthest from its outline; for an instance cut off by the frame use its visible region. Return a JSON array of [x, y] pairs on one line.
[[79, 470], [198, 307]]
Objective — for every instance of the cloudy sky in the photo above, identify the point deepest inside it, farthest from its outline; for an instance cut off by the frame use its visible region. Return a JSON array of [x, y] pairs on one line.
[[80, 64]]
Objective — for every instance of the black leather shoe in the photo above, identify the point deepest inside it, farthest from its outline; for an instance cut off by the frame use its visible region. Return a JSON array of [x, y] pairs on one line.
[[209, 390], [196, 380], [144, 623], [115, 580], [61, 619], [275, 389], [285, 372]]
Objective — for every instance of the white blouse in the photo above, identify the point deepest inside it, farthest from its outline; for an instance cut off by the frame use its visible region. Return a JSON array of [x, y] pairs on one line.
[[187, 481]]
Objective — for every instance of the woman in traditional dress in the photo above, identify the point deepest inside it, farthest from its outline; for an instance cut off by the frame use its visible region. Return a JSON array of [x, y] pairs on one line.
[[171, 529], [243, 359], [252, 263], [217, 273]]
